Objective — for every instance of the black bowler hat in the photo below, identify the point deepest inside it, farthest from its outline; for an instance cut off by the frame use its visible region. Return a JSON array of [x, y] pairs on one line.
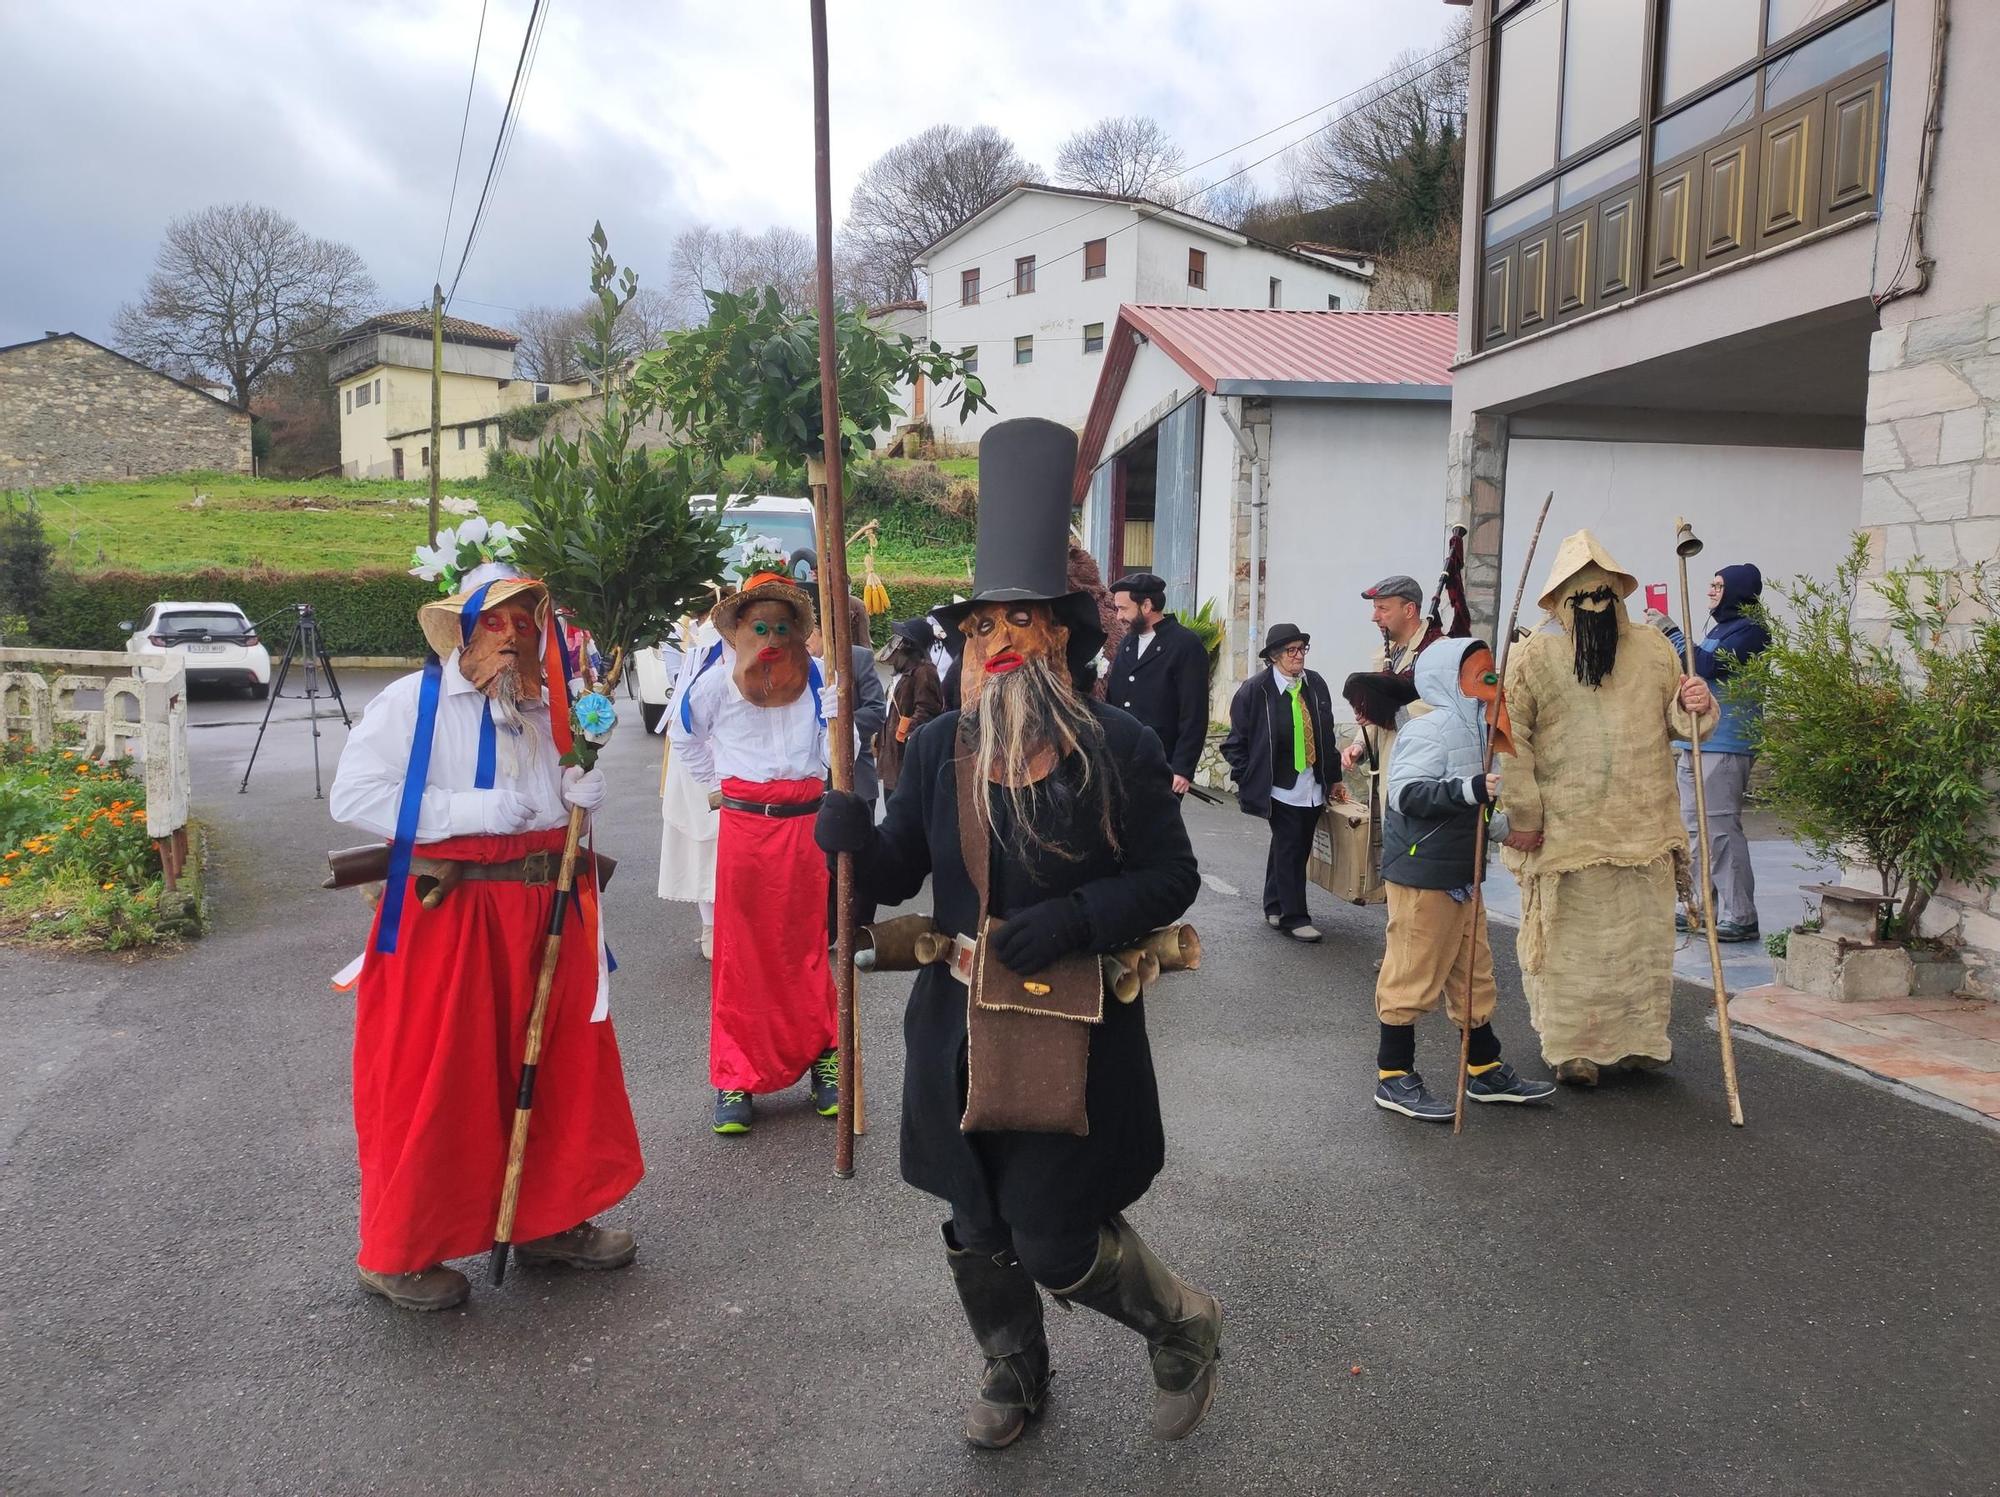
[[1026, 467], [1281, 635]]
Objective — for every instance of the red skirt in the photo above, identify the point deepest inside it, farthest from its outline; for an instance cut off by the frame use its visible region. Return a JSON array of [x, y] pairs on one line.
[[772, 1010], [438, 1032]]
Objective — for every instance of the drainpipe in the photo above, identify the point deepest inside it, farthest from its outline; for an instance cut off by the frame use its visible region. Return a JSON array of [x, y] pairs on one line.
[[1257, 502]]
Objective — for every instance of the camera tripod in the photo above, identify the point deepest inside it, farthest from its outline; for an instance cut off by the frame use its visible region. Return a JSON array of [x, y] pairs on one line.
[[304, 645]]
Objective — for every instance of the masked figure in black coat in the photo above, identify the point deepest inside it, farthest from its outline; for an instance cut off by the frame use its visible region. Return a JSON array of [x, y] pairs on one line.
[[1084, 855]]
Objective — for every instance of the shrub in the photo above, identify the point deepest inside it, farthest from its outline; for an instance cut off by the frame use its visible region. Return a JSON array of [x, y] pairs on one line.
[[25, 555], [360, 613], [1886, 749]]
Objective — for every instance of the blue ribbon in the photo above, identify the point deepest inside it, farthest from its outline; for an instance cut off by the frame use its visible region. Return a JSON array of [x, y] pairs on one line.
[[687, 692], [489, 744], [409, 808]]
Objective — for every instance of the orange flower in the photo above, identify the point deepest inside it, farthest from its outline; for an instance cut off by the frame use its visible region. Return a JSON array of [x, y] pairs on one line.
[[6, 882], [10, 857], [107, 887], [83, 769]]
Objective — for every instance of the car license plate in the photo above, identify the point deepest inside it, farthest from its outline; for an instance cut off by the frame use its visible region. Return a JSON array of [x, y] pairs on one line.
[[206, 649]]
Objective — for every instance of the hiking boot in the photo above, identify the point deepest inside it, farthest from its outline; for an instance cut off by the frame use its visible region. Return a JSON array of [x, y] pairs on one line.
[[585, 1245], [1306, 933], [1004, 1309], [1182, 1325], [1504, 1084], [1408, 1095], [824, 1078], [1577, 1073], [732, 1112], [433, 1288], [1731, 931]]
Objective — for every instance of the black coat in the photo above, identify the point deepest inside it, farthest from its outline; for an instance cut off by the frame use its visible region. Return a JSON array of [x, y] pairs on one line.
[[1037, 1182], [1259, 746], [1166, 689]]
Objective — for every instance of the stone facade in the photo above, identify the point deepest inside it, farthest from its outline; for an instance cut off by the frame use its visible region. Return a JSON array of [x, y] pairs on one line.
[[72, 411], [1931, 494], [1475, 497]]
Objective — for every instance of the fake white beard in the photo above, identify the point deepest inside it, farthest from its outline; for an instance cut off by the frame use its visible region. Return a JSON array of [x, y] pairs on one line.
[[503, 695]]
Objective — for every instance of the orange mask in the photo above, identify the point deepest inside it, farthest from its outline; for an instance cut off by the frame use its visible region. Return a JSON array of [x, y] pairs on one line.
[[771, 659], [999, 637], [504, 637], [1480, 681]]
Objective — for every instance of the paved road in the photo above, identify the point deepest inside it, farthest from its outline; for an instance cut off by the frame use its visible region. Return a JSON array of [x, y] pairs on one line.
[[1620, 1294]]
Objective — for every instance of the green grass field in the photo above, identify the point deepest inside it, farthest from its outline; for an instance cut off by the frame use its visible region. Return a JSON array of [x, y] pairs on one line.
[[193, 521]]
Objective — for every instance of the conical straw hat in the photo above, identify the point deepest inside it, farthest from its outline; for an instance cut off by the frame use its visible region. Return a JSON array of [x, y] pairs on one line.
[[1577, 552]]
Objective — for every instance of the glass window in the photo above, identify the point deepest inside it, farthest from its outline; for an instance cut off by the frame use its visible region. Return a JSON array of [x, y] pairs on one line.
[[1093, 337], [1093, 259], [1024, 350], [1788, 16], [1600, 173], [1197, 268], [1524, 114], [1705, 39], [1825, 58], [482, 433], [1277, 292], [1333, 304], [969, 356], [461, 439], [1711, 119], [1024, 275], [1524, 212], [968, 288], [1603, 57], [361, 394], [350, 402]]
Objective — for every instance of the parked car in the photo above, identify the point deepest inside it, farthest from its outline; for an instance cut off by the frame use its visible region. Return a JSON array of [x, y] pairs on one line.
[[789, 522], [216, 642]]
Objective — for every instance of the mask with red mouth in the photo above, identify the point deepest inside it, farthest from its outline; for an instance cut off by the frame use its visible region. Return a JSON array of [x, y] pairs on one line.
[[769, 639], [1001, 637], [505, 646]]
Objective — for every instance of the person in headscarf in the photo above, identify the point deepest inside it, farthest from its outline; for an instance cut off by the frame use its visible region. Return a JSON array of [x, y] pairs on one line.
[[1726, 756], [1046, 824], [1595, 701]]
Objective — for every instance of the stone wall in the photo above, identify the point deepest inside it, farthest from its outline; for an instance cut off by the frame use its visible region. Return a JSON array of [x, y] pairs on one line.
[[72, 412], [1931, 494]]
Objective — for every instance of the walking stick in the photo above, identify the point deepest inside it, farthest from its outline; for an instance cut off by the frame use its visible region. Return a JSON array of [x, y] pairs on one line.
[[833, 601], [1479, 831], [1686, 544], [545, 981]]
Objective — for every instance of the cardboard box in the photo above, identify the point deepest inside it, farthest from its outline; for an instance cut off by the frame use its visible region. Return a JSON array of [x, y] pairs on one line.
[[1346, 857]]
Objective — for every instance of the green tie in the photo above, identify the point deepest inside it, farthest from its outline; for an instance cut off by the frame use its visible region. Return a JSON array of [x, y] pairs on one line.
[[1300, 761]]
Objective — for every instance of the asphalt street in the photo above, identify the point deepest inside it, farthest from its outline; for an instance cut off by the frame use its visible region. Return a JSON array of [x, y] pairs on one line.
[[1615, 1294]]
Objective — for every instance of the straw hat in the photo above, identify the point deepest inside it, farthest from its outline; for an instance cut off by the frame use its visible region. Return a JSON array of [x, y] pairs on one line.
[[443, 619], [1577, 552], [765, 587]]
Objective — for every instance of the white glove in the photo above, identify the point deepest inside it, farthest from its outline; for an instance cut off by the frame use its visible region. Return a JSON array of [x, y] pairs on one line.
[[583, 789], [489, 813], [829, 700], [1659, 620]]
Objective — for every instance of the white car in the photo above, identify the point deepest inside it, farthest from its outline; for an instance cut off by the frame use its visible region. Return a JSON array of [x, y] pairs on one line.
[[786, 521], [216, 642]]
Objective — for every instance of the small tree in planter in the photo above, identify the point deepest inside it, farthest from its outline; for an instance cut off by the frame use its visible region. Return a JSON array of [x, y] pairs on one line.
[[1885, 751]]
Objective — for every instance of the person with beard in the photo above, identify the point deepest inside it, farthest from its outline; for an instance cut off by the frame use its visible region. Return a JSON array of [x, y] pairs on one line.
[[1396, 604], [1046, 824], [915, 696], [754, 735], [456, 765], [1595, 702], [1160, 673]]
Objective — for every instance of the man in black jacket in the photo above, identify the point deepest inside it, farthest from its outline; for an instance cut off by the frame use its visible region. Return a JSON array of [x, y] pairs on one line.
[[1282, 755], [1160, 675]]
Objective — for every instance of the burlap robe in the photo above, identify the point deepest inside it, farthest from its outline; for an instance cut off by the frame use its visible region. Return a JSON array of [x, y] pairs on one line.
[[1593, 770]]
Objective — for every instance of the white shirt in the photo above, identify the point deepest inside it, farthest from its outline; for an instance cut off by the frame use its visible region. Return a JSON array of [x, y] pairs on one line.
[[731, 737], [1140, 643], [1304, 791], [368, 786]]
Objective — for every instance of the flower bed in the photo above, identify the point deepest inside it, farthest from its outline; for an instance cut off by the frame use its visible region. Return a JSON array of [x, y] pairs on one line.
[[76, 865]]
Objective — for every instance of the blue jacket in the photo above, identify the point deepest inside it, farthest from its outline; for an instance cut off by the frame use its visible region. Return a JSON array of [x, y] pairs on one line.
[[1430, 819], [1730, 643]]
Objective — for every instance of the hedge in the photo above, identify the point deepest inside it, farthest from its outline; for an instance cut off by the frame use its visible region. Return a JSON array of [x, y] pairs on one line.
[[360, 613]]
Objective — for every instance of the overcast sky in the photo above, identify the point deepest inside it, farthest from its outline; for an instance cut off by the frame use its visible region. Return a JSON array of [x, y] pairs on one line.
[[649, 114]]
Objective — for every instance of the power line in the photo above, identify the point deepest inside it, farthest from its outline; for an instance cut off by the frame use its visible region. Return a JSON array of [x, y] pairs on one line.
[[512, 128], [451, 203], [507, 116]]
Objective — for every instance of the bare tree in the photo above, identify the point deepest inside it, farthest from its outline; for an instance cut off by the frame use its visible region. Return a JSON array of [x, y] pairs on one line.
[[1130, 155], [707, 259], [1230, 200], [548, 350], [238, 290], [647, 318], [913, 193], [1397, 152]]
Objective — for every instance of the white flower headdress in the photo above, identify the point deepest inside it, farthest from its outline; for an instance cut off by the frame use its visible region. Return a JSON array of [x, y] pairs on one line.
[[457, 552]]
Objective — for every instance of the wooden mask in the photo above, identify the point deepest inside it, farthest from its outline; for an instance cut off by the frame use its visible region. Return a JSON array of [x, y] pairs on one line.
[[1001, 637], [503, 637], [771, 659]]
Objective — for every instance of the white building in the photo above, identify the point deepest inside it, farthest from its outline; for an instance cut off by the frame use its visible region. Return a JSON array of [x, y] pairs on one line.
[[1031, 285]]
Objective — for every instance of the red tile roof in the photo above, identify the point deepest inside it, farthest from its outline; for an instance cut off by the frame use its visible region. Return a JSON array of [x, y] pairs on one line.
[[456, 329]]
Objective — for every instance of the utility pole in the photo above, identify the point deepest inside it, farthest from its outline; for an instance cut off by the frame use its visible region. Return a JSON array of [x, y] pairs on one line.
[[437, 401]]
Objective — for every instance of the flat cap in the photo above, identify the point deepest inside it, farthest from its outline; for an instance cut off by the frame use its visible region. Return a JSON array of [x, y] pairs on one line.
[[1397, 586]]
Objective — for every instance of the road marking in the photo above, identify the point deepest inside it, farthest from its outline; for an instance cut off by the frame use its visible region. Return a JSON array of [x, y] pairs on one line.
[[1219, 886]]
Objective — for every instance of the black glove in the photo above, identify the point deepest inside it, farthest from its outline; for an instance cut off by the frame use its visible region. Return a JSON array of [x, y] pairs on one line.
[[846, 822], [1042, 934]]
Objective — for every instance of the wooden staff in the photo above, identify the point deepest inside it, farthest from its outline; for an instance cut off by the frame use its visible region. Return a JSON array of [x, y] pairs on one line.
[[545, 981], [833, 601], [1686, 544], [1479, 830]]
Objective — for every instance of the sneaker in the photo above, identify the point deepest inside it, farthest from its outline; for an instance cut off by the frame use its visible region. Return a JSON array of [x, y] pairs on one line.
[[732, 1112], [1406, 1094], [1271, 920], [1504, 1084], [1728, 931], [824, 1079], [1306, 933], [1682, 924]]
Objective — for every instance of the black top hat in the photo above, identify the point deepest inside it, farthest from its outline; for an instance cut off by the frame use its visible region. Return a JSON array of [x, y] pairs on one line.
[[1025, 470], [1281, 635]]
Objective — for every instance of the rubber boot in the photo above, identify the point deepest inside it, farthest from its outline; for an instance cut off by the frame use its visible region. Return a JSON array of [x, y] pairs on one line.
[[1181, 1324], [1004, 1309]]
